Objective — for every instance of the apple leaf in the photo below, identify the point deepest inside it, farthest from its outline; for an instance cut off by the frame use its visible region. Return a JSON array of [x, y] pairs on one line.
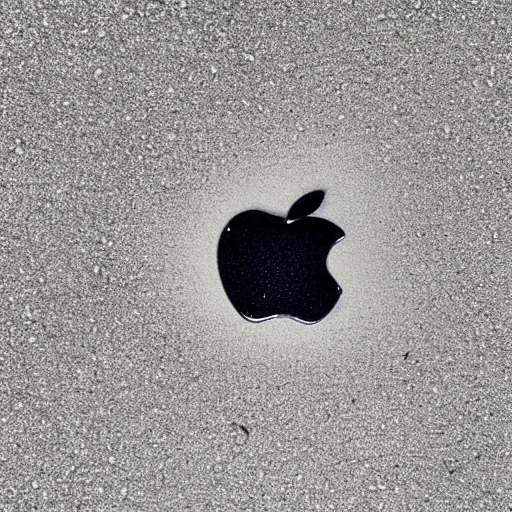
[[306, 205]]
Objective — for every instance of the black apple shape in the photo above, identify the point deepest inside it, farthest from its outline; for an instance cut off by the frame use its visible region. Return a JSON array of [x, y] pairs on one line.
[[271, 266]]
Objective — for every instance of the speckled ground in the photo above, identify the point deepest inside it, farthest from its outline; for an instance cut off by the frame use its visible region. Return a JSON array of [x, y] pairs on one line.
[[131, 132]]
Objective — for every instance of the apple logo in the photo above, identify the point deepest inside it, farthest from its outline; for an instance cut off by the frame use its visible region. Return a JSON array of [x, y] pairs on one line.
[[272, 266]]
